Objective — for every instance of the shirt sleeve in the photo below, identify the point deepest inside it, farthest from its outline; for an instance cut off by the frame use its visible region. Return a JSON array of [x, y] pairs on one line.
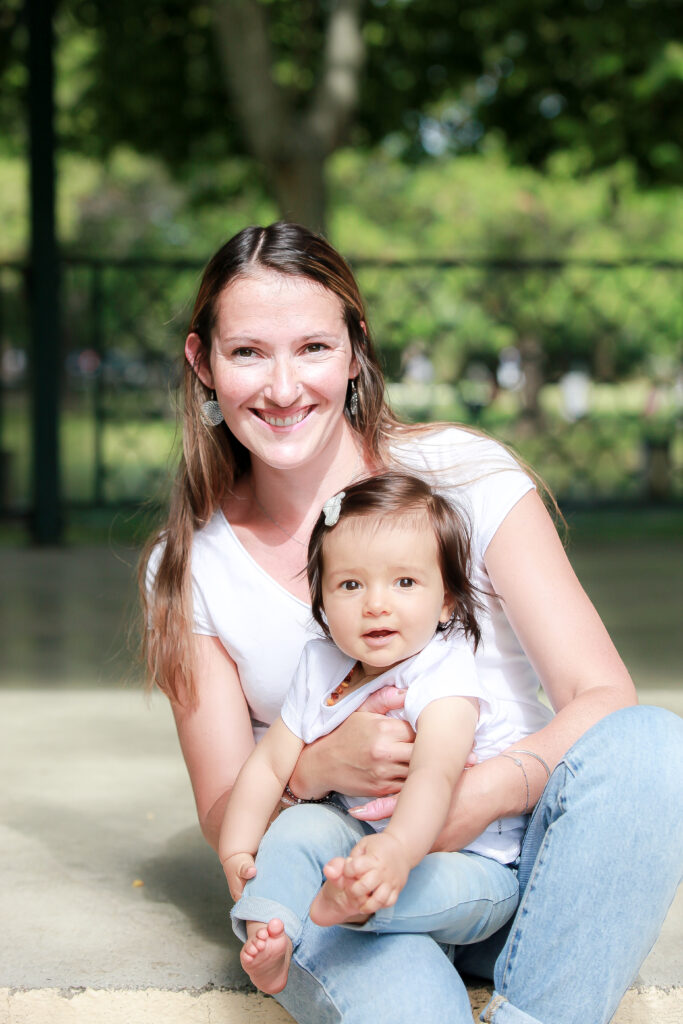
[[495, 494], [479, 475], [296, 699], [202, 622], [455, 675], [201, 619]]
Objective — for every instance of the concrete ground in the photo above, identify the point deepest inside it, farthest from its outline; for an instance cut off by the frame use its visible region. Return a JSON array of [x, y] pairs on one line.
[[112, 907]]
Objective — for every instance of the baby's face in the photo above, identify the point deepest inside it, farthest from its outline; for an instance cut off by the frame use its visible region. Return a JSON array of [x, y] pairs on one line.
[[382, 589]]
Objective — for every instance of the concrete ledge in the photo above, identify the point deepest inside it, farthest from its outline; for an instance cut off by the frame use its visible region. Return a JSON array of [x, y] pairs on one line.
[[146, 1006], [645, 1005]]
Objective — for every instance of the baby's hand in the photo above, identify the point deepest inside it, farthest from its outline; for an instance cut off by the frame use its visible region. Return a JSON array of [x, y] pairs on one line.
[[380, 865], [239, 868]]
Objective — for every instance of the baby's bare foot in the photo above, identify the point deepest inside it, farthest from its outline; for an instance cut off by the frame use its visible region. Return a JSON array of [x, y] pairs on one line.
[[335, 903], [266, 954]]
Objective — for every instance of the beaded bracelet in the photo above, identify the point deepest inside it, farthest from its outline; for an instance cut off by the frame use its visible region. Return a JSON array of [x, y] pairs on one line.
[[290, 799]]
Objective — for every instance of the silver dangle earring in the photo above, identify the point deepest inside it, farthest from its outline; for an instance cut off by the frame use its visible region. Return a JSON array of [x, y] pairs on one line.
[[210, 412], [353, 399]]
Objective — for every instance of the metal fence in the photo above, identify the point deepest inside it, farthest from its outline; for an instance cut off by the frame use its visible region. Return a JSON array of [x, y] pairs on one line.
[[575, 363]]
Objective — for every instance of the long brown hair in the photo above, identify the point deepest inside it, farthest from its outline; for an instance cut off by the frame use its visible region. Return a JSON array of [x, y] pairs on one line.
[[390, 496], [213, 459]]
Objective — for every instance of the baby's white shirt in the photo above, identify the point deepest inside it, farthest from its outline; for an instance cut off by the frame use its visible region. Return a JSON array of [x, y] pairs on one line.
[[444, 668]]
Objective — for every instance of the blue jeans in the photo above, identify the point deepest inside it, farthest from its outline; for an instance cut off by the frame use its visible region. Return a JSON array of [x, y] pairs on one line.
[[455, 897], [599, 868]]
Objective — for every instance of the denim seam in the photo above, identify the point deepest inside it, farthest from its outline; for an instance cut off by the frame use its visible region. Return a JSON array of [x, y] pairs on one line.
[[514, 938]]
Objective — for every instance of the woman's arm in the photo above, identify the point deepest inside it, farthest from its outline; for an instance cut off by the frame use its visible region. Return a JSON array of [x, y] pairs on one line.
[[216, 737], [571, 651]]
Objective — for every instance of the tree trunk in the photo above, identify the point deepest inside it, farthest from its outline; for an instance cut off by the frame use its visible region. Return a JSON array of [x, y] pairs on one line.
[[298, 184], [291, 146]]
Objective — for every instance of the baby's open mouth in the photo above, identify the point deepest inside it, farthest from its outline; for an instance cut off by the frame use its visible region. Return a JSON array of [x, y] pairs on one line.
[[379, 634], [282, 421]]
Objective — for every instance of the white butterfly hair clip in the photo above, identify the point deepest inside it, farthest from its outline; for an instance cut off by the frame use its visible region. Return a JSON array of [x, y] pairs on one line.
[[332, 508]]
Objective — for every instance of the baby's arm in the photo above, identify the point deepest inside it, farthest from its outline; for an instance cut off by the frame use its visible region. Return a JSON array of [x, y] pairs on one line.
[[254, 797], [380, 863]]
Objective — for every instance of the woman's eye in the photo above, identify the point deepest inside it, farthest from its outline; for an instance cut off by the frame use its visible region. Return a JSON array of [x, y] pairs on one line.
[[315, 347], [350, 585], [243, 353], [406, 582]]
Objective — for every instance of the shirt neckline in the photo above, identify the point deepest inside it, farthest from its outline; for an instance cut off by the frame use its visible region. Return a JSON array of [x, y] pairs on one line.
[[250, 558]]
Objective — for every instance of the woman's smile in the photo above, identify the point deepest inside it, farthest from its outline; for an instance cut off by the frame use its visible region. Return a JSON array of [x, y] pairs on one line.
[[281, 419]]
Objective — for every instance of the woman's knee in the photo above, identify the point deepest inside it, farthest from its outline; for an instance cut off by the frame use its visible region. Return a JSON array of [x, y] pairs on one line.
[[643, 730], [636, 751]]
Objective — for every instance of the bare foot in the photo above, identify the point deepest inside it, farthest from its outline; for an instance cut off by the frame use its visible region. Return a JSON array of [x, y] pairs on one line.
[[335, 904], [266, 954]]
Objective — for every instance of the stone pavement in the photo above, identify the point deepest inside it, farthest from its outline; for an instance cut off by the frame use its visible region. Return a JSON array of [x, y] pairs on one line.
[[112, 907]]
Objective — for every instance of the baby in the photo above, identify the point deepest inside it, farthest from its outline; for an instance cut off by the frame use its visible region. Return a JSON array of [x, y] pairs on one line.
[[387, 570]]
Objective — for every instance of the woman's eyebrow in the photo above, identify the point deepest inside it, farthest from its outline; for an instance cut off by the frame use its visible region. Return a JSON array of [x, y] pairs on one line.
[[251, 339]]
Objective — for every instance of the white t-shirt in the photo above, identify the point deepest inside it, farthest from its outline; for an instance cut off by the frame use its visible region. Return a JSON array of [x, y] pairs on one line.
[[444, 668], [264, 628]]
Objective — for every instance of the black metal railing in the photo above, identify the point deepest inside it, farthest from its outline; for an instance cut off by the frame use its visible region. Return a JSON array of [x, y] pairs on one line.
[[491, 342]]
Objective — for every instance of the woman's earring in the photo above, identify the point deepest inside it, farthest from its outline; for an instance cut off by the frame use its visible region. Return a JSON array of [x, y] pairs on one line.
[[353, 399], [210, 412]]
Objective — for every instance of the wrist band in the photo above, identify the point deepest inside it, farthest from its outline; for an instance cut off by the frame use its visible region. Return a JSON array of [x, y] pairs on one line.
[[537, 756], [519, 764]]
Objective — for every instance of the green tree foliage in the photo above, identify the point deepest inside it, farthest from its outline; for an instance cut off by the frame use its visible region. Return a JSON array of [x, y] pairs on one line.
[[597, 78]]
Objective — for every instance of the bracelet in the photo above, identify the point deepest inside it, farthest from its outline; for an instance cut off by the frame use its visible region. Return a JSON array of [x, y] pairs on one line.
[[538, 758], [290, 799], [526, 781]]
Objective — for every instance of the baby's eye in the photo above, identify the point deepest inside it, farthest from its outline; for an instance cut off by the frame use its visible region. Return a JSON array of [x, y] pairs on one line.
[[350, 585], [406, 581]]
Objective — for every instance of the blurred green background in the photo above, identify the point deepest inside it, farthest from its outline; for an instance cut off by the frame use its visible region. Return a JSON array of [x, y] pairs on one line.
[[504, 178]]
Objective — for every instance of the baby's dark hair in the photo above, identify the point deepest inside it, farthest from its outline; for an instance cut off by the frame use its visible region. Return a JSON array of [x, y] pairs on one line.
[[392, 495]]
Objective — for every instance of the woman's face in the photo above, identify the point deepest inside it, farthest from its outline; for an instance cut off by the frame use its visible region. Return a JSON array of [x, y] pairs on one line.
[[280, 364]]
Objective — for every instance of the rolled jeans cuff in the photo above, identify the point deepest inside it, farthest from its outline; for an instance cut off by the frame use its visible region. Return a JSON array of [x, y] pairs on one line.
[[500, 1011], [256, 908]]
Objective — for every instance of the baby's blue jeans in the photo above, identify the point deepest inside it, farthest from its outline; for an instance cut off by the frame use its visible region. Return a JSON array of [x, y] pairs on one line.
[[599, 868], [455, 897]]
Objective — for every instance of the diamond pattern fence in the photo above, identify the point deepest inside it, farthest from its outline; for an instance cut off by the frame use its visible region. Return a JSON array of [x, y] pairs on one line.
[[577, 364]]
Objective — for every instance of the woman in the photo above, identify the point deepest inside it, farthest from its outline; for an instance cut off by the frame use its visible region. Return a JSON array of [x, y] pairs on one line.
[[279, 351]]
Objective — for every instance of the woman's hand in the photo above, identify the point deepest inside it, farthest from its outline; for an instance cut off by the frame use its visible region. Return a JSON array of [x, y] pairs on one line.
[[483, 793], [384, 806], [368, 754]]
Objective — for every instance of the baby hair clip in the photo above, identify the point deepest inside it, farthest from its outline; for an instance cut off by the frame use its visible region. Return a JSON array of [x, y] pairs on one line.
[[332, 508]]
